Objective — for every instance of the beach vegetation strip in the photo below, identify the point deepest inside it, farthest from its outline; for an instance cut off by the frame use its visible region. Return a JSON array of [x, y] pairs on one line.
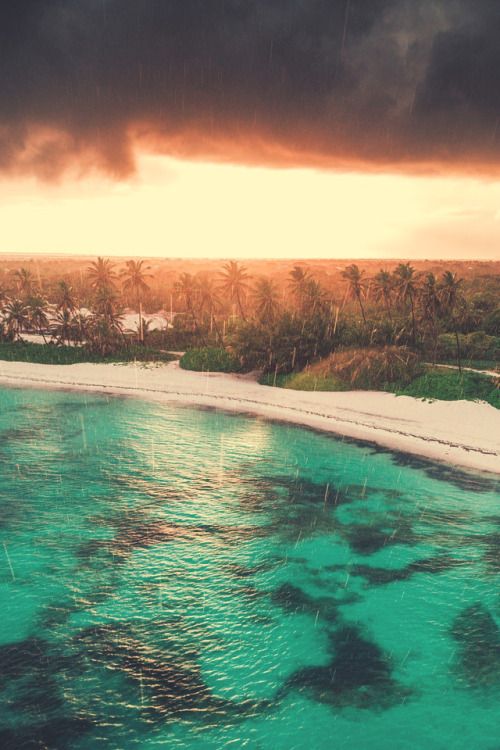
[[48, 354], [376, 370]]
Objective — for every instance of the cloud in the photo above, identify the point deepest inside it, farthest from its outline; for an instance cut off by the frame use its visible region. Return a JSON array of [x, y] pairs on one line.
[[377, 84]]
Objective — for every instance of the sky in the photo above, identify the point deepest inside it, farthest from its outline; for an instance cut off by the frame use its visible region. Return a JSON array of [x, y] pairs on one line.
[[250, 128]]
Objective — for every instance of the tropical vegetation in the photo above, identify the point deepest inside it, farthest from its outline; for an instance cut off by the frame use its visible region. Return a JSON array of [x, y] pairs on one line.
[[355, 328]]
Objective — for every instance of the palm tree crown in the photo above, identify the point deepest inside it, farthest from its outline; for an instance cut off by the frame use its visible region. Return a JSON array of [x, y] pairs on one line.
[[265, 293], [406, 282], [101, 274], [4, 296], [24, 280], [134, 276], [356, 285], [17, 316], [187, 288], [384, 286], [235, 283], [450, 295], [297, 282], [450, 290], [65, 297]]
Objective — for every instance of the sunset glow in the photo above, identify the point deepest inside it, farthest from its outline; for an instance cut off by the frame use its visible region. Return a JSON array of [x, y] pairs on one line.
[[190, 209]]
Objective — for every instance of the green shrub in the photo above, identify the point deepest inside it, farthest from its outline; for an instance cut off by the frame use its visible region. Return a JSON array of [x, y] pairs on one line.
[[491, 323], [50, 354], [210, 359], [493, 398], [486, 302], [444, 385]]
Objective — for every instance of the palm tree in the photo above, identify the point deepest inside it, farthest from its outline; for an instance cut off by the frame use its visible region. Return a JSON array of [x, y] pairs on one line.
[[468, 316], [209, 299], [429, 296], [17, 316], [64, 326], [134, 278], [80, 328], [356, 286], [65, 297], [384, 284], [315, 297], [107, 304], [4, 296], [38, 318], [450, 295], [298, 281], [105, 326], [101, 274], [24, 280], [406, 283], [266, 296], [429, 308], [235, 283], [187, 288]]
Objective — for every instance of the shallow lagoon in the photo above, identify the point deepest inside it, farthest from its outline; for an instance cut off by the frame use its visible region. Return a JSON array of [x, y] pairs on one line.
[[184, 578]]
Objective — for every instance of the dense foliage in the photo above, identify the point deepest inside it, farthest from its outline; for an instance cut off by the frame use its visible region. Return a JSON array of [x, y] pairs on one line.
[[301, 328]]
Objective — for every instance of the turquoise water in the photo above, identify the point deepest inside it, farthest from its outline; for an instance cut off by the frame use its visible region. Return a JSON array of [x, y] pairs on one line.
[[181, 578]]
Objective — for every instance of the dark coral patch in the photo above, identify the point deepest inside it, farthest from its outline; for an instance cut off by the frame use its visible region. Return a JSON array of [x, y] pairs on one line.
[[368, 538], [60, 733], [359, 675], [31, 673], [463, 480], [293, 600], [478, 636], [33, 657], [492, 555], [19, 434], [237, 570], [383, 576], [169, 677], [39, 695]]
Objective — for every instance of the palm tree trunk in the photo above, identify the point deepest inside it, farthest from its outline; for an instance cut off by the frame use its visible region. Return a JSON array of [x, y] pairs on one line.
[[217, 329], [141, 333], [361, 306], [388, 308], [239, 304], [412, 320], [196, 327], [459, 356]]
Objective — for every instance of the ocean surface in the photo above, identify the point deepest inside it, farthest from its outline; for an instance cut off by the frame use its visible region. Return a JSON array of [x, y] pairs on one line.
[[182, 578]]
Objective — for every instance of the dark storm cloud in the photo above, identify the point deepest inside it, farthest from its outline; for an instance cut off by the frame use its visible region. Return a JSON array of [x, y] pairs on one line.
[[301, 81]]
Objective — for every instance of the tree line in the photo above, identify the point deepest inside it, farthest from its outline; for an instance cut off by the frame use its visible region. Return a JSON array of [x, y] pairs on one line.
[[267, 324]]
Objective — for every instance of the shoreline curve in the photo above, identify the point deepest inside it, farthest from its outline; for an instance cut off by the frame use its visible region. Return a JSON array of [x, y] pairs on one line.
[[461, 433]]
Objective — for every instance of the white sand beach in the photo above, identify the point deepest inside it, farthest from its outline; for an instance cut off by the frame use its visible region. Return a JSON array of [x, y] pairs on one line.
[[461, 433]]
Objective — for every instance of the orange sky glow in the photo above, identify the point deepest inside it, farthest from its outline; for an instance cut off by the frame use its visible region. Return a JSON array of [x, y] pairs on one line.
[[176, 208]]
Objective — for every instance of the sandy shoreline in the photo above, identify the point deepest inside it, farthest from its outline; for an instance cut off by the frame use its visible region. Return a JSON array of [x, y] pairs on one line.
[[461, 433]]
